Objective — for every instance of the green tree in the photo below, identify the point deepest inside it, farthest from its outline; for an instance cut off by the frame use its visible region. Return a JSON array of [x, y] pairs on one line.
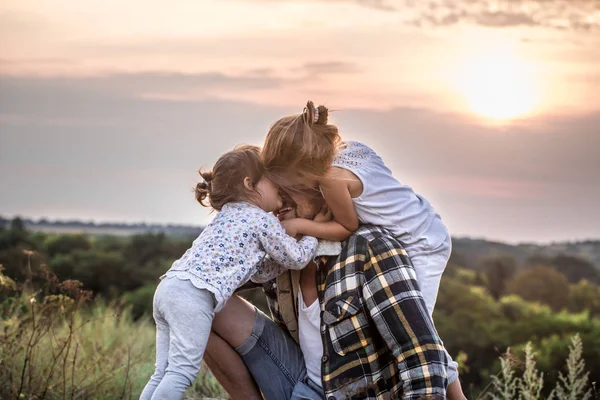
[[15, 235], [576, 269], [64, 265], [584, 296], [103, 272], [498, 271], [541, 284], [65, 244]]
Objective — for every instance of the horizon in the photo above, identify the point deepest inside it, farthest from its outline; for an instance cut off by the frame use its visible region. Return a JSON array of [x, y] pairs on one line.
[[489, 110], [84, 221]]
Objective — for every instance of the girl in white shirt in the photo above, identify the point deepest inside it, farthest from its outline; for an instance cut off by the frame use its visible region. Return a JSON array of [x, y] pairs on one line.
[[359, 188], [230, 251]]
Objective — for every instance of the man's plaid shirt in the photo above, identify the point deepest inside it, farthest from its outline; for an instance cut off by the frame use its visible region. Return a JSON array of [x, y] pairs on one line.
[[378, 339]]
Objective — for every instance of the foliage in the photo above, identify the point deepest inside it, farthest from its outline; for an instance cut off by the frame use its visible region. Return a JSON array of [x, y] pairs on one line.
[[585, 296], [62, 346], [109, 266], [573, 268], [574, 385], [65, 244], [498, 271], [141, 300], [541, 284], [494, 325]]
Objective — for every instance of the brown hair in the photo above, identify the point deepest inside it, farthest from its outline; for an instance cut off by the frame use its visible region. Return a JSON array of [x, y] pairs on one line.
[[304, 144], [225, 183]]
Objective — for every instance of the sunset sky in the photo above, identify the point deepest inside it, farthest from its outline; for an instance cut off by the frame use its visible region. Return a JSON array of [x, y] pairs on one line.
[[491, 109]]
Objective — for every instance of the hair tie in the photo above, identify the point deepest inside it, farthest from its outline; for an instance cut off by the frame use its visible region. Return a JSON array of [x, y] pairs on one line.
[[316, 116]]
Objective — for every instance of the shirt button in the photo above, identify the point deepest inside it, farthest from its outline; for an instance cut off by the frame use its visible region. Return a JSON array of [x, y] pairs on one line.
[[331, 398], [325, 359]]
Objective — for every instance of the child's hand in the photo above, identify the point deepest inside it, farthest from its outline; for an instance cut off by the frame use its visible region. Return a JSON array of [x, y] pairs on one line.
[[291, 226], [324, 215]]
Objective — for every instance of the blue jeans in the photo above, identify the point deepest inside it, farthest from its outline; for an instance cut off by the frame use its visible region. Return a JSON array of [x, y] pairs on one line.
[[276, 363]]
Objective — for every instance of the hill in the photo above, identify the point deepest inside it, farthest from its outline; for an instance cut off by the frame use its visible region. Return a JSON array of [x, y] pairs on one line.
[[101, 229], [473, 251]]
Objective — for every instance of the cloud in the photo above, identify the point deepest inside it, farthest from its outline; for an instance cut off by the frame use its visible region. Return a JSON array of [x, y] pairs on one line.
[[168, 81], [176, 86], [332, 67], [581, 15], [378, 4], [139, 83]]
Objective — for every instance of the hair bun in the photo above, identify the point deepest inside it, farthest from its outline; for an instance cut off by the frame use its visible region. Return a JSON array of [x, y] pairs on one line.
[[315, 115], [204, 188], [322, 115], [207, 176]]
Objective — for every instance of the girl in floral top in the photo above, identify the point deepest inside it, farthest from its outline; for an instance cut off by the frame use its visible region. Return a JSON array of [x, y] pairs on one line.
[[228, 253]]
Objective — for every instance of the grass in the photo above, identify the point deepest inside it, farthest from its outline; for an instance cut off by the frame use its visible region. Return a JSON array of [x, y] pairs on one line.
[[65, 346]]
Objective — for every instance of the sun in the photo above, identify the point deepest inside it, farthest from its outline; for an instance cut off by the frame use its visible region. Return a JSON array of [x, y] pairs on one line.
[[497, 85]]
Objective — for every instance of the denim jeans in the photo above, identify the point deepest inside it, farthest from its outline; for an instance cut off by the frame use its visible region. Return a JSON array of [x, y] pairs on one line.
[[276, 363]]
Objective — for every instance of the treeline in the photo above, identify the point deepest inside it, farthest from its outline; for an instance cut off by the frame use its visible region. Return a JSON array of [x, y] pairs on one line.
[[110, 266]]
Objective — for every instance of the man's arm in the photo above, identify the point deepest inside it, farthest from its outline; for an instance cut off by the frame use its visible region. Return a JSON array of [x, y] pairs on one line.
[[396, 305]]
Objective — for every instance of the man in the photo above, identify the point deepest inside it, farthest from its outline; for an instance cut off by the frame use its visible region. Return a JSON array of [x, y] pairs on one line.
[[371, 337]]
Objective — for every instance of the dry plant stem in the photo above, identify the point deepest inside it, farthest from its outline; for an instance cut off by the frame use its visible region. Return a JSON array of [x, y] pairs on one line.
[[64, 365], [126, 372], [73, 371], [54, 361], [27, 353]]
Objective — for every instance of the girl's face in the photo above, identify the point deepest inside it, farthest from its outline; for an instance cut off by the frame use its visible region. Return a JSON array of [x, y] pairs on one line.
[[268, 195]]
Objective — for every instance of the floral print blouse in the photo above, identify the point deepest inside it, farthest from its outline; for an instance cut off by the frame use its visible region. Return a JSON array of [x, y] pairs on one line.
[[234, 247]]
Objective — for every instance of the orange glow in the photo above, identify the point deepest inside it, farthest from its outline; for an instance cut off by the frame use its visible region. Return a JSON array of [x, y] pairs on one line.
[[498, 85]]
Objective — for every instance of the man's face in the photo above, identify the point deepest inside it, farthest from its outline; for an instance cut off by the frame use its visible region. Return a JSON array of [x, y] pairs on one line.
[[300, 204]]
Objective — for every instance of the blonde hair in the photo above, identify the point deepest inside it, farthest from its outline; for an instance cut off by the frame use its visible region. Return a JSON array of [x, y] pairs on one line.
[[303, 144], [225, 183]]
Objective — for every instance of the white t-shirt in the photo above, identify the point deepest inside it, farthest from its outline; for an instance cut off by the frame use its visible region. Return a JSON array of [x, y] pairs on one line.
[[388, 203], [309, 330]]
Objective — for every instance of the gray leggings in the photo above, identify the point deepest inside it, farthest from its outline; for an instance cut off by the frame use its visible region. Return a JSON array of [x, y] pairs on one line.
[[183, 315]]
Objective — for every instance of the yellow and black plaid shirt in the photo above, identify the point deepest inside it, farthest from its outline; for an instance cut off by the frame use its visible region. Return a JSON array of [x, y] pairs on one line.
[[378, 339]]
